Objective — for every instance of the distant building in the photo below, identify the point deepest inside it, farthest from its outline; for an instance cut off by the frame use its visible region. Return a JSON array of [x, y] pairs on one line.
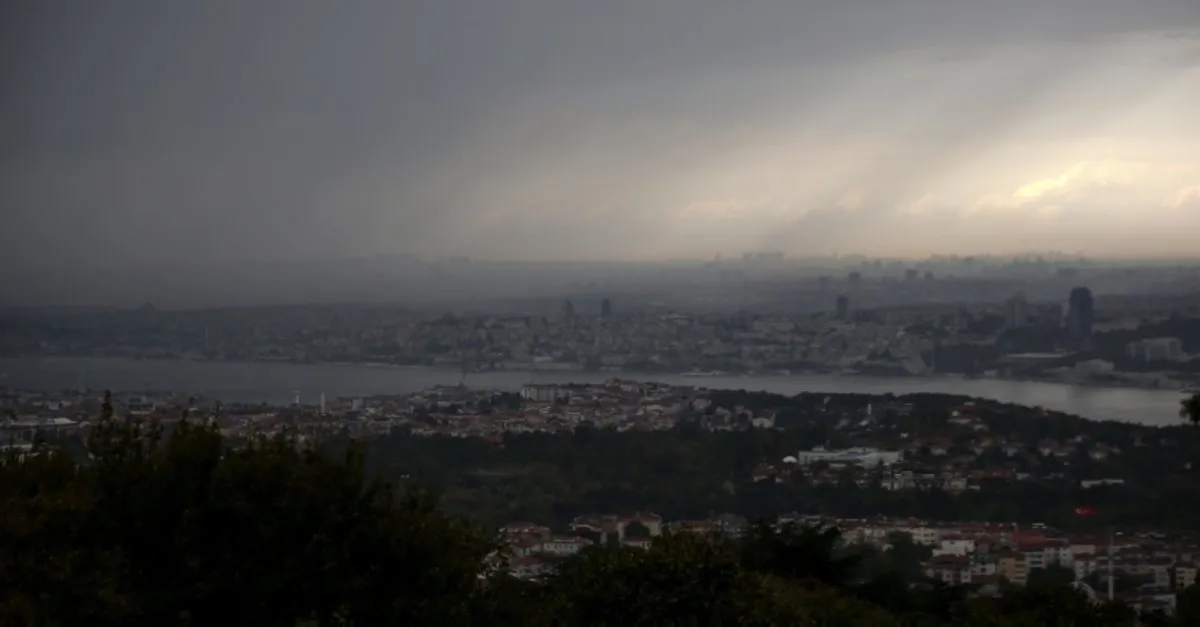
[[545, 393], [1016, 312], [25, 430], [854, 278], [1018, 363], [842, 307], [568, 311], [910, 275], [1156, 349], [606, 308], [928, 276], [1080, 318], [962, 318], [763, 257], [866, 457]]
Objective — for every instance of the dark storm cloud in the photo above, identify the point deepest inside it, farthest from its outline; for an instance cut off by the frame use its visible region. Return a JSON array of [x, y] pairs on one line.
[[157, 130]]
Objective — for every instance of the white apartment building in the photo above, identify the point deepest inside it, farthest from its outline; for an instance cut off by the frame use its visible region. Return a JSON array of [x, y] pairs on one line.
[[862, 456], [954, 545]]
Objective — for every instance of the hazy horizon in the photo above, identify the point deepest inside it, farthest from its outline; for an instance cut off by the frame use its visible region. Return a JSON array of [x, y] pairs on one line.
[[140, 134]]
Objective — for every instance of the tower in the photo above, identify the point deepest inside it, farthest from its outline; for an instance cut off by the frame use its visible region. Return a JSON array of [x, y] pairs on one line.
[[1080, 316], [842, 307], [1015, 314], [606, 308]]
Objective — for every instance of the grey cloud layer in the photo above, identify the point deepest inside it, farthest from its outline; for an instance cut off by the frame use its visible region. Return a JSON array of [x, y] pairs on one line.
[[154, 130]]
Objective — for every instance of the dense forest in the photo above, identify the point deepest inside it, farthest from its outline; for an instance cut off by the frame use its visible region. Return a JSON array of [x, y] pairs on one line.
[[179, 528]]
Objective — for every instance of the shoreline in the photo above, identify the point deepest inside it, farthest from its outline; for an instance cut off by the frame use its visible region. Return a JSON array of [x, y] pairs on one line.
[[617, 373], [278, 382]]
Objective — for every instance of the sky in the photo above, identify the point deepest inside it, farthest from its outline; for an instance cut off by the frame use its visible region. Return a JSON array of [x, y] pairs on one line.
[[142, 132]]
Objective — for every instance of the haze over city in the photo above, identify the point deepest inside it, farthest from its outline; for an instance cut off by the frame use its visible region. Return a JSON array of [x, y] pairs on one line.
[[146, 142]]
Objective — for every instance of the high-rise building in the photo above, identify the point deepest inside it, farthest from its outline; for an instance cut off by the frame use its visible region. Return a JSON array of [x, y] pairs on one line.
[[910, 275], [854, 278], [568, 311], [1016, 312], [962, 318], [1080, 317], [842, 307], [606, 308]]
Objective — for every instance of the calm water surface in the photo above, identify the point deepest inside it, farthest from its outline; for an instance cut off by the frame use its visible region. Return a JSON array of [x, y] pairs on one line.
[[279, 383]]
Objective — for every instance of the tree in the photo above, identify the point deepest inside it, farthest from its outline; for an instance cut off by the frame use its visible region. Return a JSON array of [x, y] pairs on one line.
[[1189, 409], [797, 552], [1044, 605], [905, 556], [1053, 575], [1187, 605], [682, 579], [692, 579], [164, 526]]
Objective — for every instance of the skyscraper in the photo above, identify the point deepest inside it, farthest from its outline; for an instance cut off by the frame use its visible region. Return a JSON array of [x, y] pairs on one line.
[[842, 307], [568, 311], [1016, 309], [1080, 315], [605, 308]]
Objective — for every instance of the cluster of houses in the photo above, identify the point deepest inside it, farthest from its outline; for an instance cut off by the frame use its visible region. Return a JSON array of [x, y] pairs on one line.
[[989, 556], [454, 411], [958, 460], [962, 456]]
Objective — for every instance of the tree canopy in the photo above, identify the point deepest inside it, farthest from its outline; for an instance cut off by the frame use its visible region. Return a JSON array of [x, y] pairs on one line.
[[158, 528], [178, 527], [1189, 409]]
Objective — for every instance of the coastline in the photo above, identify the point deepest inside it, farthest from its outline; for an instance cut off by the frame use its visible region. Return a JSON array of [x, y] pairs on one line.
[[281, 382], [1183, 386], [936, 376]]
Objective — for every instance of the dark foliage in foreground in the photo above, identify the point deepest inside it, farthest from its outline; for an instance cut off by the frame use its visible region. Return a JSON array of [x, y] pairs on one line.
[[179, 529]]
